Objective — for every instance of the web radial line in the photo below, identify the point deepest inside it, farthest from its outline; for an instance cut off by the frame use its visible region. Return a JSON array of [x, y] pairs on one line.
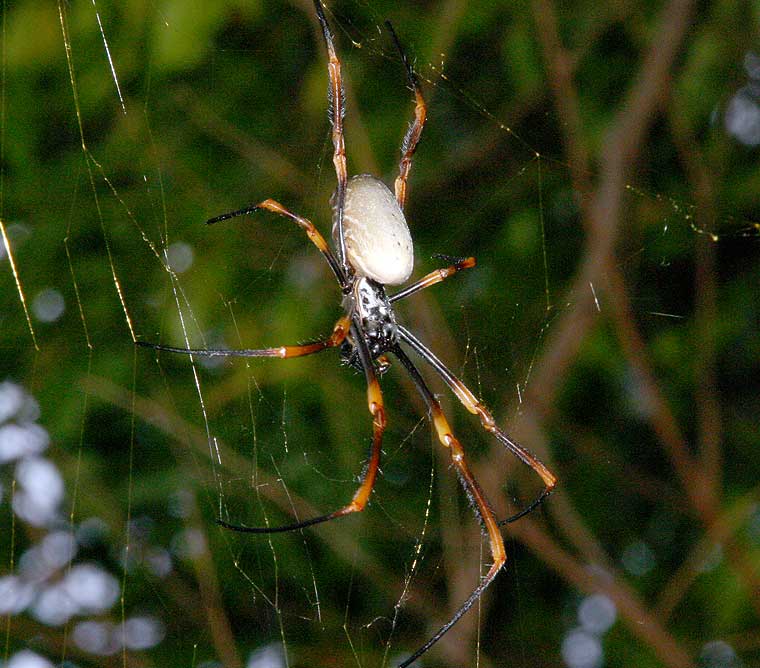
[[90, 160], [17, 280], [110, 59], [130, 495], [413, 568], [6, 240]]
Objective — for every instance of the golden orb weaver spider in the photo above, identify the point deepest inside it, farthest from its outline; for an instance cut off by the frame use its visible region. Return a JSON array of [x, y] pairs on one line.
[[373, 249]]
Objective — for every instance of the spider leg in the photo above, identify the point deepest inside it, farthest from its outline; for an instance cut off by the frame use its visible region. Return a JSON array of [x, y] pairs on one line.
[[336, 97], [304, 223], [477, 498], [369, 474], [435, 276], [468, 400], [340, 330], [414, 132]]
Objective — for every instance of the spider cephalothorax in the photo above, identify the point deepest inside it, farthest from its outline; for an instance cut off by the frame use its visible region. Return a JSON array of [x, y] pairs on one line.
[[373, 249], [370, 302]]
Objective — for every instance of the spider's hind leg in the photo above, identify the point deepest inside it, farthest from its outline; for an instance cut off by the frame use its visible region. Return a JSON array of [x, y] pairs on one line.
[[469, 401], [479, 502]]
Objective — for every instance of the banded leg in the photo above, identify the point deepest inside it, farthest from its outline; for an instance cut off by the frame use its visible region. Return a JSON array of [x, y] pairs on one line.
[[336, 97], [435, 276], [477, 498], [369, 474], [414, 132], [304, 223], [340, 330], [468, 400]]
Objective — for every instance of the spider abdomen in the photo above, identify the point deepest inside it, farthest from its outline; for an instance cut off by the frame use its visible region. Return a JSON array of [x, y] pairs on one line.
[[378, 242]]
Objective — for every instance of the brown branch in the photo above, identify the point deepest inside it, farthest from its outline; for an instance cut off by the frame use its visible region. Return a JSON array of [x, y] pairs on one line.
[[661, 417], [700, 480], [628, 477], [270, 161], [721, 532], [217, 620], [641, 622], [560, 66], [602, 220], [708, 414], [603, 212], [621, 148]]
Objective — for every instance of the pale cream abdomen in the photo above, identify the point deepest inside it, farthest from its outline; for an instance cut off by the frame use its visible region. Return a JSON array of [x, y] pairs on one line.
[[378, 243]]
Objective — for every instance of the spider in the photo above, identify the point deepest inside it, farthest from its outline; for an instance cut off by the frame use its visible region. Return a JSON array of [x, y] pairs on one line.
[[373, 250]]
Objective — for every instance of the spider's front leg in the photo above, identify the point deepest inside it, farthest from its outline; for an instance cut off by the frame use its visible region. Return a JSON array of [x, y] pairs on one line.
[[336, 96], [413, 134], [304, 223], [369, 474]]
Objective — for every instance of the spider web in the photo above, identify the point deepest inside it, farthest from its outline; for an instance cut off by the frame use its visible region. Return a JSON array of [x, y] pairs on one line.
[[123, 127]]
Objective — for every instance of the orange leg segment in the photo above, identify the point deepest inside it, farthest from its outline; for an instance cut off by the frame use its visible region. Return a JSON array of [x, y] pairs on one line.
[[340, 330], [336, 96], [369, 475], [413, 134], [435, 276], [477, 498], [471, 403], [304, 223], [409, 145]]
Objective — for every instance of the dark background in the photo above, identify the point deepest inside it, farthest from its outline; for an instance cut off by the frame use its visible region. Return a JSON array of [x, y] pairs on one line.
[[582, 152]]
